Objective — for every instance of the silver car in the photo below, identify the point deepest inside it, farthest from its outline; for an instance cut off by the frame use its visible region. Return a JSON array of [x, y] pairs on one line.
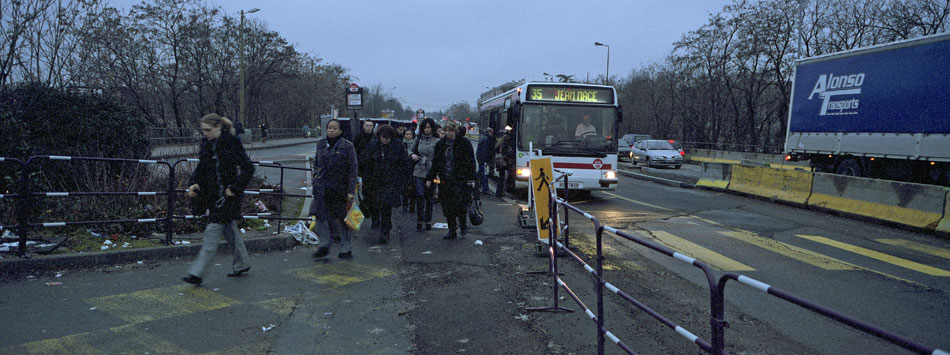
[[654, 152]]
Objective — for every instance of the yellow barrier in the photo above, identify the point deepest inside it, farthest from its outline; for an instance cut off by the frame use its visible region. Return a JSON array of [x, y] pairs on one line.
[[780, 184], [944, 225], [916, 205], [715, 175]]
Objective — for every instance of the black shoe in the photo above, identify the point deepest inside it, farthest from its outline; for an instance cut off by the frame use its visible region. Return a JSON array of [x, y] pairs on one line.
[[384, 236], [323, 251], [192, 279], [346, 255], [428, 226], [239, 272], [450, 235], [499, 195], [464, 230], [418, 227]]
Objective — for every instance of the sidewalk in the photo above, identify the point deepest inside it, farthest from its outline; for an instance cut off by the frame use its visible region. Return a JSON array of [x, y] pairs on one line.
[[191, 150]]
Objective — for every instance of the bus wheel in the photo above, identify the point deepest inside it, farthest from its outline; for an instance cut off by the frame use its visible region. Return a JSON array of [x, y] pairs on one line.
[[850, 167]]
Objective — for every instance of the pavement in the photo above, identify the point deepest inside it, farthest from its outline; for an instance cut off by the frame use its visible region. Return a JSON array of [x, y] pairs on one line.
[[190, 150]]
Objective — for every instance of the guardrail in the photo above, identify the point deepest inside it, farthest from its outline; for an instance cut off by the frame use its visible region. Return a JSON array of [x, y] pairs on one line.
[[25, 199], [716, 345]]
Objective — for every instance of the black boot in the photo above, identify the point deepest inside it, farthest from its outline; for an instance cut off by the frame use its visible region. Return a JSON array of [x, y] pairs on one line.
[[418, 227], [450, 235], [463, 227], [323, 251], [384, 236]]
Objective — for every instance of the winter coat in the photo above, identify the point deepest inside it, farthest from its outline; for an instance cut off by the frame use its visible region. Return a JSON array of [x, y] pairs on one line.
[[386, 168], [424, 147], [454, 192], [485, 153], [222, 164], [334, 171]]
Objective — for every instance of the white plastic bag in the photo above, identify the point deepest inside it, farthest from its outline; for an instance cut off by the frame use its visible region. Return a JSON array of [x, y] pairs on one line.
[[302, 234]]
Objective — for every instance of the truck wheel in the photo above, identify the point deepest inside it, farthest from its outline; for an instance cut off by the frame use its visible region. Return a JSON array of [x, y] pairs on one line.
[[850, 167]]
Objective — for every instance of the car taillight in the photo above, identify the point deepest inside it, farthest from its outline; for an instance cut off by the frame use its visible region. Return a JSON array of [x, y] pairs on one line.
[[682, 153]]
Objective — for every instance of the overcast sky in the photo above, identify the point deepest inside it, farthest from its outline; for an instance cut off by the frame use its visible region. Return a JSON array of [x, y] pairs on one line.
[[439, 52]]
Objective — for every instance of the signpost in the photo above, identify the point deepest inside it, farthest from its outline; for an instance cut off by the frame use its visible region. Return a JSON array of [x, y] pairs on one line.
[[354, 101]]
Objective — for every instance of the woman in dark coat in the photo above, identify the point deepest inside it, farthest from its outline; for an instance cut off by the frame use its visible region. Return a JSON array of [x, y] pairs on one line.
[[386, 164], [454, 167], [217, 183], [334, 189]]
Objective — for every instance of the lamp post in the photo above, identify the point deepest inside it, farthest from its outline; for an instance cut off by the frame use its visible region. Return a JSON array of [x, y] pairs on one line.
[[241, 94], [392, 104], [607, 77]]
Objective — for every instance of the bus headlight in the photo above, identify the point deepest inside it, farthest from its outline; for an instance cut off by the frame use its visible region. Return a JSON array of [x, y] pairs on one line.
[[524, 172], [610, 175]]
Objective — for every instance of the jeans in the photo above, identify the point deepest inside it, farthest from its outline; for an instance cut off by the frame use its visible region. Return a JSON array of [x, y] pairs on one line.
[[481, 174], [423, 201]]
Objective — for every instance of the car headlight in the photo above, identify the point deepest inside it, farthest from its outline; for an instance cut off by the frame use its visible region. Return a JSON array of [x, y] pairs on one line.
[[609, 174]]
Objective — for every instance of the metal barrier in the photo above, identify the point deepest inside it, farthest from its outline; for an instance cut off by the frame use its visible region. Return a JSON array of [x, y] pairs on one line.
[[716, 292], [25, 217]]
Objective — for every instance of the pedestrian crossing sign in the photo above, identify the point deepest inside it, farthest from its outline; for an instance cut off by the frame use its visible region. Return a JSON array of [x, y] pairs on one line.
[[541, 178]]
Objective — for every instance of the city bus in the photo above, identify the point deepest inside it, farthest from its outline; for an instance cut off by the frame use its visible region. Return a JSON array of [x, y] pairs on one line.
[[574, 124]]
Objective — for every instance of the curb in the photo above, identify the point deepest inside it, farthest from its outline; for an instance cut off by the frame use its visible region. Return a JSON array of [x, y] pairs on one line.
[[18, 267]]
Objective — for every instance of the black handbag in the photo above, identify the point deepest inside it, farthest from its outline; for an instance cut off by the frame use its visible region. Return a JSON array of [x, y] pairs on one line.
[[475, 215]]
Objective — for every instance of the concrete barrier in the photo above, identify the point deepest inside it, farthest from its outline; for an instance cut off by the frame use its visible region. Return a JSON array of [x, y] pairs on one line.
[[715, 175], [774, 160], [944, 225], [780, 184], [916, 205]]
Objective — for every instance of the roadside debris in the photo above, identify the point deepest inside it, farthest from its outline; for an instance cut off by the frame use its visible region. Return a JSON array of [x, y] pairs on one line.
[[268, 328]]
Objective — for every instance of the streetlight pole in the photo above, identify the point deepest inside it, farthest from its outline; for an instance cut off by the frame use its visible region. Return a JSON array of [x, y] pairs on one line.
[[241, 92], [392, 105], [607, 77]]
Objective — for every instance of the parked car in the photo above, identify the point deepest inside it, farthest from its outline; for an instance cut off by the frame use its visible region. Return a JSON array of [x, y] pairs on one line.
[[655, 152], [625, 145]]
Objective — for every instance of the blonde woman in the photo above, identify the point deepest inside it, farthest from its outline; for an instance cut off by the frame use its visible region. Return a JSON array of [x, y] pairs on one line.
[[216, 186]]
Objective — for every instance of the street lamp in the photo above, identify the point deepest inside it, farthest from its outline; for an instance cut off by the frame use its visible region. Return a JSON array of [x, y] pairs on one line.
[[241, 109], [608, 60], [392, 104]]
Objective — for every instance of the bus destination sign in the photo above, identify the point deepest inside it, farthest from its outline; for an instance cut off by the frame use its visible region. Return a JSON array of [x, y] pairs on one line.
[[570, 94]]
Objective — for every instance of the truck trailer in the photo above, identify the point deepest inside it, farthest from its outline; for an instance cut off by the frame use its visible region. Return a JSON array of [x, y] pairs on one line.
[[880, 112]]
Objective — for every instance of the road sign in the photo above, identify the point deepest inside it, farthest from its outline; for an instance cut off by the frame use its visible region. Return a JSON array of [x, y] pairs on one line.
[[354, 97], [542, 172]]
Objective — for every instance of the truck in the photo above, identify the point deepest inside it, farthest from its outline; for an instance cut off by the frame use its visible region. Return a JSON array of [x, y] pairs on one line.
[[880, 112]]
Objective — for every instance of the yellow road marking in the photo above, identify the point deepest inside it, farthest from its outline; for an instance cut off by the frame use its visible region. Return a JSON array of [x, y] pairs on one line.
[[160, 303], [806, 256], [116, 340], [856, 267], [697, 251], [923, 248], [637, 202], [339, 274], [890, 259]]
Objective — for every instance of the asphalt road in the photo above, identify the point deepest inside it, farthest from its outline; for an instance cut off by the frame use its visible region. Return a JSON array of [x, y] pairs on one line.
[[421, 294]]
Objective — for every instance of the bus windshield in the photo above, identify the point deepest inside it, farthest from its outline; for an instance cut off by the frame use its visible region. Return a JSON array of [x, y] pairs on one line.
[[568, 130]]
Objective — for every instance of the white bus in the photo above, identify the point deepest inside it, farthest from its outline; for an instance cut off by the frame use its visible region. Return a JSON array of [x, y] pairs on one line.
[[575, 124]]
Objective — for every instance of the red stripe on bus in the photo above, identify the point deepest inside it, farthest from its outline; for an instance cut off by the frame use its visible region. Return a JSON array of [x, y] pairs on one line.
[[579, 166]]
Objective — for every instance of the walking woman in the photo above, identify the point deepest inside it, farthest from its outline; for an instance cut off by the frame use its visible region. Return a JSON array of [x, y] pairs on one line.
[[421, 152], [217, 184], [505, 163], [409, 194], [454, 166], [386, 164], [334, 189]]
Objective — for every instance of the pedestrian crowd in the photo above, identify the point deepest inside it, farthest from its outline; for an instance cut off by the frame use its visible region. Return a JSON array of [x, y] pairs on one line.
[[382, 169], [397, 169]]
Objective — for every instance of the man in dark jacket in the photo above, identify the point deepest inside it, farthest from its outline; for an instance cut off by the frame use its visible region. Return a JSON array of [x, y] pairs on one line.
[[362, 140], [454, 166], [485, 157], [386, 169]]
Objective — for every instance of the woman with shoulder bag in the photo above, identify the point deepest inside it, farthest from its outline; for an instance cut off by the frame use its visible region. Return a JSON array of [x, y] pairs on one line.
[[334, 189], [219, 180], [421, 153]]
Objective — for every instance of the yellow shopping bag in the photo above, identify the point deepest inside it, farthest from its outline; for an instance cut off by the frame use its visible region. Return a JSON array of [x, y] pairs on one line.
[[354, 218]]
